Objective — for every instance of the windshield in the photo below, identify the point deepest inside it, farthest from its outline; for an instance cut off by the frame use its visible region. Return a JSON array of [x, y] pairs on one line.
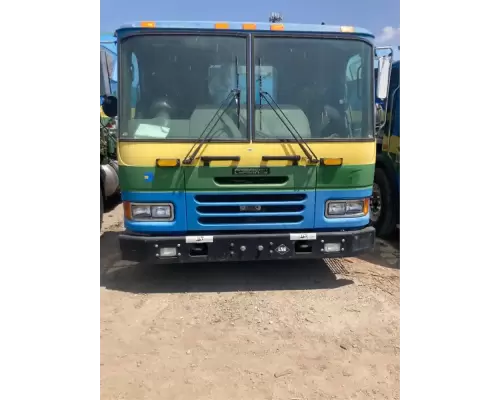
[[172, 86], [323, 86]]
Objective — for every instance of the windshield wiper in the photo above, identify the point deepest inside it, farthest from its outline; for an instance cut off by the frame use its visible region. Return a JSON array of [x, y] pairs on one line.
[[238, 98], [234, 95], [224, 106], [293, 131]]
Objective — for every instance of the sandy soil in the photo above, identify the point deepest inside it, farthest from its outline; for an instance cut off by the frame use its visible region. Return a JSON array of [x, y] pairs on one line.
[[316, 330]]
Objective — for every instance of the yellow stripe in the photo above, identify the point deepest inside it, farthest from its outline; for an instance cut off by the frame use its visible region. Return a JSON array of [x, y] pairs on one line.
[[385, 143], [394, 144], [390, 144], [145, 154]]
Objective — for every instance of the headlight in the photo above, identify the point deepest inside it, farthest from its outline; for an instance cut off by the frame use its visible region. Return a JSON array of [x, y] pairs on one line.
[[139, 212], [164, 212], [346, 208], [161, 211], [335, 208]]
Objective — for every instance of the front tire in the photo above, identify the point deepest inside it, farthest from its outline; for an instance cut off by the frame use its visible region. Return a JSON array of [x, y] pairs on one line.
[[383, 214]]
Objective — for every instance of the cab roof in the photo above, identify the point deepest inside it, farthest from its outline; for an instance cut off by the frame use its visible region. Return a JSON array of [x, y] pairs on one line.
[[276, 28]]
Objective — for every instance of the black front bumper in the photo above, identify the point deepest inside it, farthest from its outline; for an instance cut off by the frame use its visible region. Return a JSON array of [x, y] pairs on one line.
[[247, 246]]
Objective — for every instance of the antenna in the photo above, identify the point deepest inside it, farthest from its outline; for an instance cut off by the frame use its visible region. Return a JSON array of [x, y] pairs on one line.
[[275, 17]]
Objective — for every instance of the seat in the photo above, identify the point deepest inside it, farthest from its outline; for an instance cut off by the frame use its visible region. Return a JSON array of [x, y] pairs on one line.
[[270, 124], [226, 127]]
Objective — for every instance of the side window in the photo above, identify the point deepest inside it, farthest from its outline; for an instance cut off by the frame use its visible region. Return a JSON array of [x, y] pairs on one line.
[[114, 77], [353, 68], [135, 89], [354, 78], [103, 76], [108, 62]]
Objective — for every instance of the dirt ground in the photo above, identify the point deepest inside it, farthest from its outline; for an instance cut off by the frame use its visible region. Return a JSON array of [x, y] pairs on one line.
[[317, 330]]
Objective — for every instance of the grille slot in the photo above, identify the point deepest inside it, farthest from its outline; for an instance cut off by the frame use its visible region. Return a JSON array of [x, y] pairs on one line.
[[236, 209], [251, 208], [250, 198], [276, 219], [251, 180]]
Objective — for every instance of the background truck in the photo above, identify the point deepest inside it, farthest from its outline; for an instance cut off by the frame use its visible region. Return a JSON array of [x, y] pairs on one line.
[[385, 202], [108, 165]]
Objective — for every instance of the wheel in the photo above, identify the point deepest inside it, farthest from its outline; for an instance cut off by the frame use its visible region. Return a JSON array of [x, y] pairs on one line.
[[102, 207], [382, 205]]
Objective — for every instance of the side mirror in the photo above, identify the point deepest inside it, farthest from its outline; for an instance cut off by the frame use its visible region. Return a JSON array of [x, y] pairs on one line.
[[383, 76], [110, 106]]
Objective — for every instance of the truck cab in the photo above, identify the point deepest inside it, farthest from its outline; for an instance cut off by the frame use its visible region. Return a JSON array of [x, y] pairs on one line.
[[245, 141]]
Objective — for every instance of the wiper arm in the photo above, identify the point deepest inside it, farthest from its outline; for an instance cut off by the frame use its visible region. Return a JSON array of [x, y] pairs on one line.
[[238, 98], [233, 94], [293, 131]]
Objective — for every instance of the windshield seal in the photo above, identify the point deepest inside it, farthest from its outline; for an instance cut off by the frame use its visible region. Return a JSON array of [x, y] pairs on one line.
[[313, 35], [182, 33]]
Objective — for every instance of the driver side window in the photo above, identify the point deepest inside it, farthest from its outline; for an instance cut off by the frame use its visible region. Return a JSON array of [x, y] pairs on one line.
[[134, 89], [353, 79]]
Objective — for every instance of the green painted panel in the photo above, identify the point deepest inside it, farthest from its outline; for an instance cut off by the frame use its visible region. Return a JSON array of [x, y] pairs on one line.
[[346, 176], [224, 179], [219, 179], [151, 179]]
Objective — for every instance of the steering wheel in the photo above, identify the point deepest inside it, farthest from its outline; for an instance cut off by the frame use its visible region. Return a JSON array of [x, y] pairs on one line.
[[161, 106], [227, 131], [336, 123]]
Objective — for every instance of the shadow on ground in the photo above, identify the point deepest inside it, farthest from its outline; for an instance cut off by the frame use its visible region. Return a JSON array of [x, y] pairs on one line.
[[112, 202], [386, 253], [212, 277]]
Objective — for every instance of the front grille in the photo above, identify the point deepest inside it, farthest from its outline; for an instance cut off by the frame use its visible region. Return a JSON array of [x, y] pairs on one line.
[[252, 208], [236, 209], [250, 198], [272, 219]]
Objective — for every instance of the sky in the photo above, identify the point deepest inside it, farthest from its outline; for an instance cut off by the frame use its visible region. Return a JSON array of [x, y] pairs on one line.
[[380, 17]]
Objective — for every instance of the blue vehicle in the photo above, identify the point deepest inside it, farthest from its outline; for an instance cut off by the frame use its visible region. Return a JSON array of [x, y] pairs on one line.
[[385, 202]]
